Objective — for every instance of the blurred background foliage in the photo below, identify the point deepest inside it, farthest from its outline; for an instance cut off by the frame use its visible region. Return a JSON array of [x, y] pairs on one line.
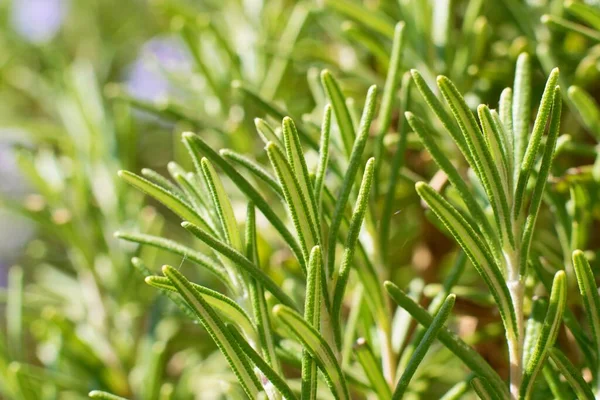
[[91, 87]]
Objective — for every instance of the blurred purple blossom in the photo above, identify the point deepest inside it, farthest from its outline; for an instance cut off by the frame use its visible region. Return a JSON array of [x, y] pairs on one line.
[[37, 20], [147, 78]]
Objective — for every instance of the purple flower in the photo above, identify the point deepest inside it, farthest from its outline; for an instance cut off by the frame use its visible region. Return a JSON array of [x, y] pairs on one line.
[[146, 78], [37, 20]]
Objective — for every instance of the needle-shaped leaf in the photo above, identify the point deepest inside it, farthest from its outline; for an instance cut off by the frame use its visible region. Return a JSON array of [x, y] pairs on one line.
[[468, 355], [323, 159], [484, 390], [223, 304], [350, 247], [176, 248], [589, 294], [222, 205], [241, 261], [170, 200], [571, 374], [254, 168], [563, 24], [542, 177], [390, 88], [99, 394], [217, 331], [350, 176], [534, 327], [585, 12], [318, 348], [505, 114], [184, 307], [197, 146], [295, 156], [521, 107], [454, 177], [438, 108], [485, 167], [587, 108], [312, 307], [273, 377], [161, 181], [265, 131], [475, 249], [430, 335], [299, 209], [547, 334], [395, 168], [534, 141], [457, 391], [498, 147], [260, 310], [340, 109], [372, 369]]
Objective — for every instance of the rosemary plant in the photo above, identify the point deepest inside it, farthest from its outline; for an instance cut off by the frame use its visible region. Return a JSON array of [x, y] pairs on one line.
[[349, 242]]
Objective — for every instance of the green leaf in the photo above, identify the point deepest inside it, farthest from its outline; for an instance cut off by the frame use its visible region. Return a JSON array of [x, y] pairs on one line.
[[548, 333], [586, 107], [350, 247], [217, 331], [392, 80], [533, 144], [261, 312], [475, 249], [470, 357], [196, 145], [350, 176], [295, 156], [497, 145], [585, 12], [521, 107], [318, 348], [589, 294], [417, 357], [255, 169], [484, 390], [572, 375], [161, 181], [372, 369], [534, 327], [438, 108], [265, 131], [241, 261], [563, 24], [223, 304], [395, 168], [222, 204], [176, 248], [299, 209], [99, 394], [457, 391], [170, 200], [323, 159], [273, 110], [272, 376], [440, 158], [505, 114], [542, 177], [373, 20], [340, 109], [312, 307], [496, 190]]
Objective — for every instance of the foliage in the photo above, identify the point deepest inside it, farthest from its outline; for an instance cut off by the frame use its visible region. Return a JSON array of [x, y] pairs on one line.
[[366, 200]]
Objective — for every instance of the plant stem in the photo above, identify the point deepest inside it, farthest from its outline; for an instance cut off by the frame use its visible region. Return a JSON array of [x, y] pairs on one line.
[[515, 339]]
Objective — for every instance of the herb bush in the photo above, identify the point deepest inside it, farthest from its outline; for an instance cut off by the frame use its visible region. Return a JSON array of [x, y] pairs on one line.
[[365, 200]]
